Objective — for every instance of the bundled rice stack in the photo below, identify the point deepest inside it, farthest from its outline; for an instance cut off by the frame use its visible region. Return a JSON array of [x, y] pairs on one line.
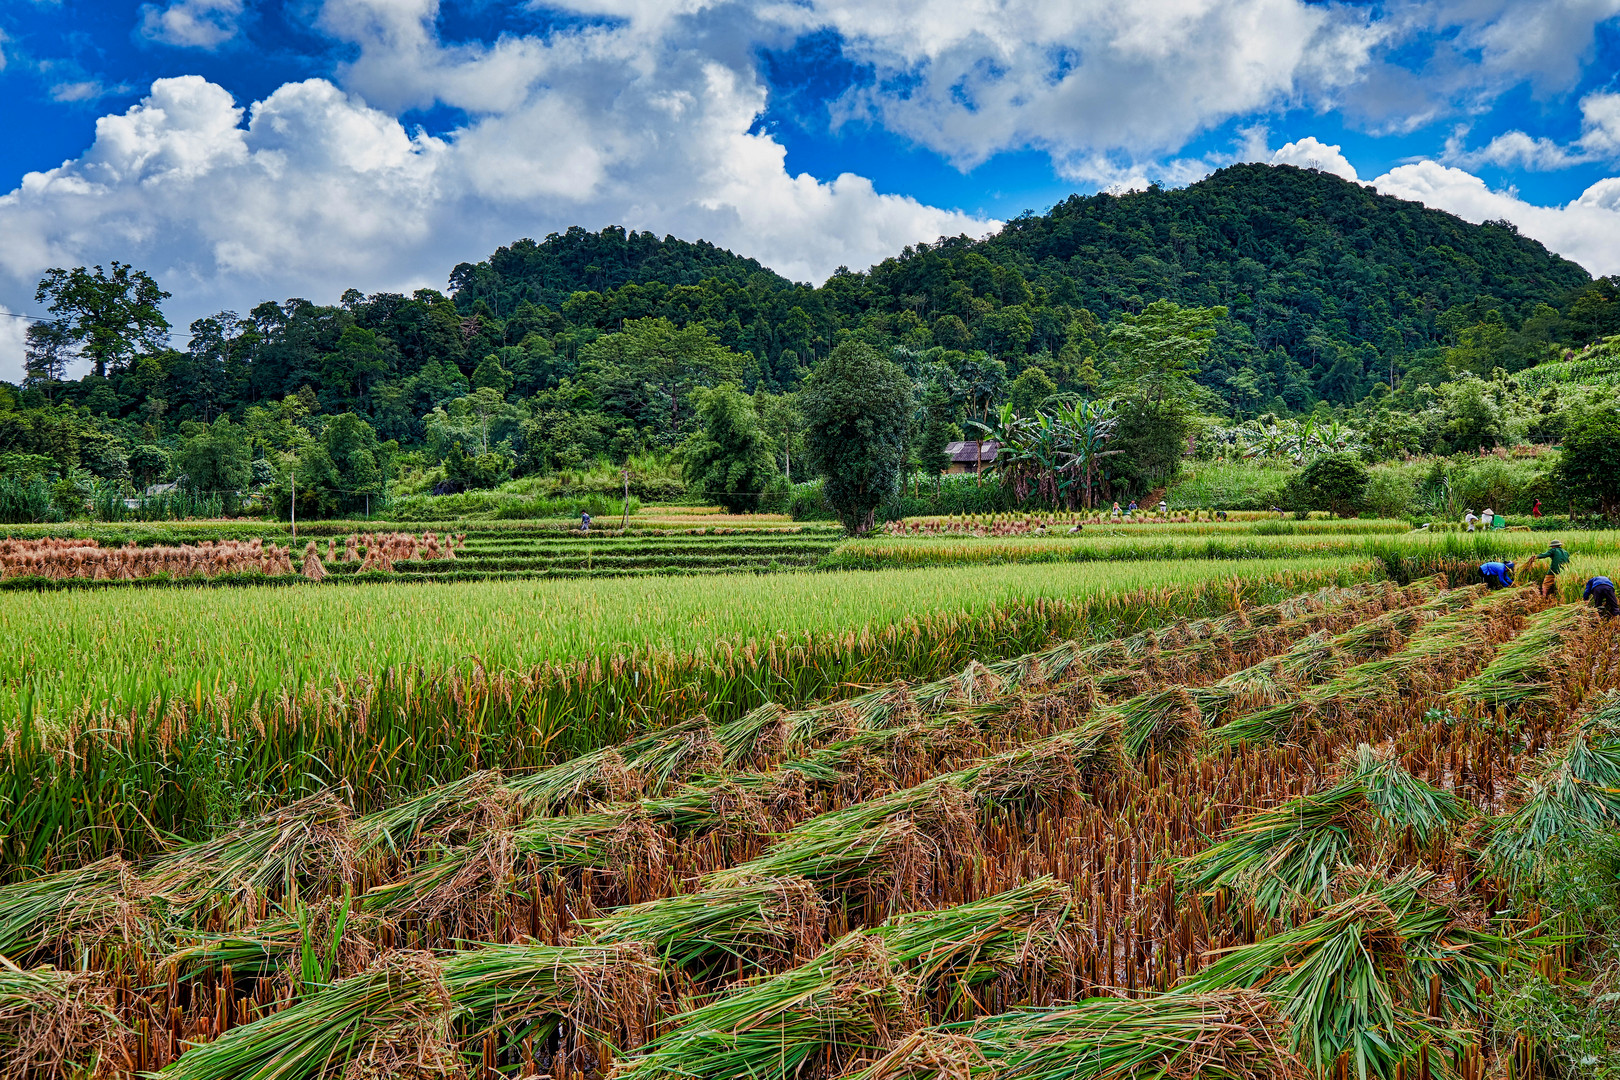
[[395, 1019], [1521, 673], [51, 1019], [1289, 857], [65, 560], [1573, 797], [858, 997], [312, 568], [1220, 1035]]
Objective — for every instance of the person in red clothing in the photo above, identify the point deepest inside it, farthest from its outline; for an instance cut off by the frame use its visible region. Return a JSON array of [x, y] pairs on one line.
[[1535, 511]]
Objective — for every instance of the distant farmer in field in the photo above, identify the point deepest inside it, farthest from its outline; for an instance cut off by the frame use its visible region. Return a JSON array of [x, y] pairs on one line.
[[1116, 512], [1469, 519], [1535, 510], [1131, 509], [1220, 515], [1600, 592], [1498, 575], [1487, 517], [1164, 507], [584, 521], [1557, 558]]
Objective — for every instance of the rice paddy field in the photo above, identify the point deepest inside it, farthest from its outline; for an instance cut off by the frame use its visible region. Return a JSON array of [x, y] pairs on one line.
[[140, 714], [700, 545], [1392, 541], [1237, 822]]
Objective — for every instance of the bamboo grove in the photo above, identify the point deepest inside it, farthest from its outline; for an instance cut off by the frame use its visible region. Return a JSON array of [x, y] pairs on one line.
[[1316, 837]]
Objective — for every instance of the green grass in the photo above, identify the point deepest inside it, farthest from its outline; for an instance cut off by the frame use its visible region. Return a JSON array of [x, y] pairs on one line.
[[158, 645], [1229, 486], [1594, 551]]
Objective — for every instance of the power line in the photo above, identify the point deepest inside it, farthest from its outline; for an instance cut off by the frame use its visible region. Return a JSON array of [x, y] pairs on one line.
[[42, 319]]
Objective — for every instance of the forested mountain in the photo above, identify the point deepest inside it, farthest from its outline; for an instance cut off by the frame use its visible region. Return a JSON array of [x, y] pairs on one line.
[[1331, 287], [1310, 292], [579, 260]]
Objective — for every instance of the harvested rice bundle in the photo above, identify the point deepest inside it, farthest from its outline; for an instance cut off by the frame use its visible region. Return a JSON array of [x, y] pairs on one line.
[[766, 922], [1383, 970], [1290, 856], [1219, 1035], [1576, 795], [866, 990], [49, 913], [53, 1022], [508, 992], [1520, 673], [305, 846], [472, 879], [448, 813], [648, 762], [312, 568]]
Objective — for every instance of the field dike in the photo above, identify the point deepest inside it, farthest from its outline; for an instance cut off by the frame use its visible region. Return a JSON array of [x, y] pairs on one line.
[[1308, 839]]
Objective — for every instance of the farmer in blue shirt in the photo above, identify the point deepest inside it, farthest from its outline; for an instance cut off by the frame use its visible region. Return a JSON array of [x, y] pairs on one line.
[[1498, 575], [1600, 591]]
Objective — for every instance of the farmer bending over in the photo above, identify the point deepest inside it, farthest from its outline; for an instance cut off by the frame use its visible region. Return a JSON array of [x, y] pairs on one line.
[[1600, 591], [1498, 575], [1557, 558]]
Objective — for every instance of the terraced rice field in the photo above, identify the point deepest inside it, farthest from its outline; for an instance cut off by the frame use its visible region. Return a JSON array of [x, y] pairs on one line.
[[1312, 838], [563, 554]]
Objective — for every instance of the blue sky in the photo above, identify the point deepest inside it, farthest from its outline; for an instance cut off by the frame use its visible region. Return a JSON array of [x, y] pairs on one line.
[[249, 149]]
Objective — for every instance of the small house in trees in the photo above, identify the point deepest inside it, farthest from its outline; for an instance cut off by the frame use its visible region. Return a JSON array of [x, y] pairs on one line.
[[972, 456]]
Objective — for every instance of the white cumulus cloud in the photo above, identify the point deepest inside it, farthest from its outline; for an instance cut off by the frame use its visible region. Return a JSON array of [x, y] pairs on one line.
[[1599, 141], [1311, 153], [1586, 229], [197, 24], [315, 188], [1080, 80]]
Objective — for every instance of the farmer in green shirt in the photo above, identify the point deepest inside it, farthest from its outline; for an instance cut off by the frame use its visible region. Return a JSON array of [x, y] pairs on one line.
[[1557, 558]]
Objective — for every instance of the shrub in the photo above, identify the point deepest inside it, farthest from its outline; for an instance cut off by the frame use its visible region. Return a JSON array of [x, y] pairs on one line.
[[1333, 482], [1390, 494]]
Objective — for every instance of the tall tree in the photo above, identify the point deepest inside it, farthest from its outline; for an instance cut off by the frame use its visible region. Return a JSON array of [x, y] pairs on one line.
[[1589, 466], [45, 361], [1153, 357], [1155, 354], [730, 458], [938, 430], [110, 317], [664, 359], [857, 410]]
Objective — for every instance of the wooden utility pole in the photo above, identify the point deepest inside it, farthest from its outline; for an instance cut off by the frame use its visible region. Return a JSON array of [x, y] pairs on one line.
[[294, 507]]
